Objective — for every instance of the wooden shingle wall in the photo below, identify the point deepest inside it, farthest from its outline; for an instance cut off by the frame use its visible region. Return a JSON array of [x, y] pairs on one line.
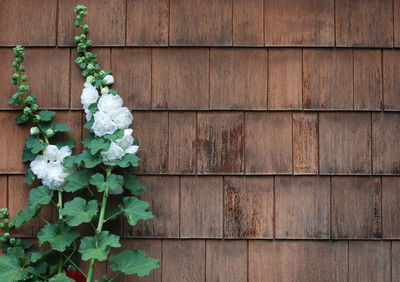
[[269, 130]]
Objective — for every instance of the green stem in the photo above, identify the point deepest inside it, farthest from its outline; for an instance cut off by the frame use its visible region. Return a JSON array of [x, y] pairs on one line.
[[114, 277], [60, 204], [60, 264]]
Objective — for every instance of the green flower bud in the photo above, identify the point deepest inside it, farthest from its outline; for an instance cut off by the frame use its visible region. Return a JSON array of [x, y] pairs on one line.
[[85, 28], [6, 221], [29, 100], [89, 43], [36, 118], [76, 23], [24, 78], [77, 39], [21, 68], [102, 74], [1, 215], [90, 67], [15, 76], [82, 37], [2, 225], [91, 79], [105, 90], [14, 64], [12, 241], [27, 111], [7, 235], [34, 130], [49, 132], [79, 60], [34, 108], [19, 60], [85, 73], [25, 117]]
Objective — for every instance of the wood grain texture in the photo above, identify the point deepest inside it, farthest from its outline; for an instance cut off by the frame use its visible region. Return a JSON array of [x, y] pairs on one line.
[[391, 78], [226, 260], [248, 20], [238, 79], [297, 261], [151, 130], [302, 208], [147, 23], [396, 25], [268, 148], [200, 23], [48, 76], [285, 79], [369, 261], [385, 145], [367, 79], [4, 191], [180, 79], [390, 207], [106, 20], [73, 120], [132, 73], [305, 143], [152, 249], [77, 80], [183, 260], [201, 207], [299, 23], [28, 22], [327, 79], [18, 193], [364, 23], [248, 207], [12, 140], [220, 142], [182, 143], [356, 208], [395, 261], [162, 193], [345, 143]]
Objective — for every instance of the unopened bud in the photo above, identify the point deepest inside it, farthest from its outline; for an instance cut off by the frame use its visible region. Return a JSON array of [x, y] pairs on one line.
[[35, 130], [36, 118], [105, 90], [91, 79], [49, 132]]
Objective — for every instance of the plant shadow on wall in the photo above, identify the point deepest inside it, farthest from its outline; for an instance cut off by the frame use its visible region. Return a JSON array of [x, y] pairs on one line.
[[92, 177]]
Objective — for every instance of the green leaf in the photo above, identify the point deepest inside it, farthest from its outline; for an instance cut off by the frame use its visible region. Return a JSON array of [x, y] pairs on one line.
[[89, 124], [83, 159], [46, 115], [29, 177], [70, 142], [61, 277], [77, 180], [98, 246], [19, 120], [12, 265], [59, 235], [131, 183], [39, 197], [34, 144], [60, 127], [96, 144], [98, 181], [93, 107], [133, 262], [24, 216], [135, 209], [28, 155], [128, 160], [36, 256], [115, 136], [79, 211]]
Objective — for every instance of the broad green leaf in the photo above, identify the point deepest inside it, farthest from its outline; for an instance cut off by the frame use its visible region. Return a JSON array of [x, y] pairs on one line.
[[133, 262], [98, 246], [19, 120], [70, 142], [28, 155], [44, 125], [79, 211], [60, 127], [101, 184], [93, 107], [77, 180], [115, 136], [131, 182], [46, 115], [135, 209], [24, 216], [96, 144], [12, 265], [61, 277], [36, 256], [35, 144], [40, 196], [29, 177], [128, 160], [89, 124], [83, 159], [59, 235]]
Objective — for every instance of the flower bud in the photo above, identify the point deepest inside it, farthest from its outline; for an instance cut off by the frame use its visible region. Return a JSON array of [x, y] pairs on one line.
[[90, 67], [85, 28], [79, 60], [2, 225], [109, 79], [34, 130], [91, 79], [36, 118], [49, 132], [14, 64], [105, 90], [15, 76], [89, 43], [27, 111], [29, 100], [102, 74], [6, 221], [12, 241], [25, 117], [34, 108], [6, 235], [24, 78]]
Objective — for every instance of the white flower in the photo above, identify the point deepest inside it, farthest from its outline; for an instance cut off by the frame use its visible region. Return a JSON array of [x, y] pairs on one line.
[[132, 149], [39, 166], [51, 153], [109, 102], [89, 114], [113, 153], [103, 124], [64, 151], [89, 95], [126, 140], [122, 117], [109, 79], [119, 189]]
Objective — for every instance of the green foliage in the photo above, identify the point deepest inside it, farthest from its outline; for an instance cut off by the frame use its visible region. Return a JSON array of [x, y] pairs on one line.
[[133, 262], [59, 235], [34, 144], [79, 211], [12, 265], [98, 246], [95, 144], [46, 115], [61, 277], [84, 159], [98, 180], [77, 180], [70, 142], [131, 182], [135, 210], [29, 177], [128, 160]]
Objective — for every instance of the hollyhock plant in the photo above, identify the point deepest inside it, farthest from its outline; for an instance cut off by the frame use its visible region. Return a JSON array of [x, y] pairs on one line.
[[87, 176]]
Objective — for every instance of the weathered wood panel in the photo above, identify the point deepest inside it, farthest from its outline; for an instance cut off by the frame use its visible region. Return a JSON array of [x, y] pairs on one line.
[[248, 20], [391, 79], [391, 207], [395, 255], [4, 191]]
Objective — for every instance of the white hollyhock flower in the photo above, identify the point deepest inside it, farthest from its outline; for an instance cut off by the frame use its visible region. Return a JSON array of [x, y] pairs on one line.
[[56, 174], [89, 114], [120, 189], [39, 166], [126, 140], [51, 153], [103, 124], [63, 152], [132, 149], [113, 153], [109, 102], [89, 95], [122, 117], [109, 79]]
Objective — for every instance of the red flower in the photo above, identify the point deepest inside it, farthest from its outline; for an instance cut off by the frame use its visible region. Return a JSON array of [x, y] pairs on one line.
[[76, 275]]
